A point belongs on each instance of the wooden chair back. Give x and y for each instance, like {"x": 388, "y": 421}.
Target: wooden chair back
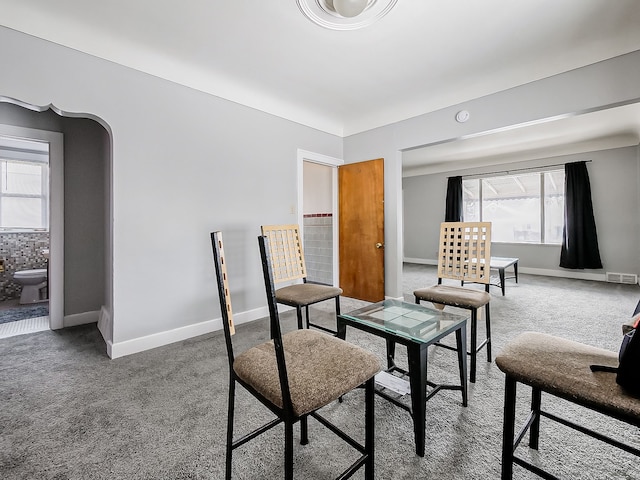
{"x": 465, "y": 251}
{"x": 223, "y": 292}
{"x": 286, "y": 252}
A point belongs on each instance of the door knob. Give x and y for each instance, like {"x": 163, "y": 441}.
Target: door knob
{"x": 379, "y": 245}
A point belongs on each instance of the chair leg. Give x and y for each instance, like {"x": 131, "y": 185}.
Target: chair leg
{"x": 299, "y": 315}
{"x": 488, "y": 323}
{"x": 508, "y": 427}
{"x": 306, "y": 316}
{"x": 337, "y": 311}
{"x": 369, "y": 442}
{"x": 534, "y": 431}
{"x": 232, "y": 393}
{"x": 288, "y": 450}
{"x": 304, "y": 430}
{"x": 474, "y": 342}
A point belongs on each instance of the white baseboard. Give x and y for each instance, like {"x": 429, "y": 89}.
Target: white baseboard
{"x": 80, "y": 319}
{"x": 128, "y": 347}
{"x": 421, "y": 261}
{"x": 577, "y": 274}
{"x": 104, "y": 324}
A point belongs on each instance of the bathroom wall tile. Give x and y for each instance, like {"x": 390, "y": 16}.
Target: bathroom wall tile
{"x": 20, "y": 251}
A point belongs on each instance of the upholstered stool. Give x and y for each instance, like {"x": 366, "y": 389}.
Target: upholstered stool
{"x": 561, "y": 368}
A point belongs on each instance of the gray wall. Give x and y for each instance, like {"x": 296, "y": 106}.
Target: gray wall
{"x": 184, "y": 163}
{"x": 592, "y": 87}
{"x": 613, "y": 176}
{"x": 85, "y": 197}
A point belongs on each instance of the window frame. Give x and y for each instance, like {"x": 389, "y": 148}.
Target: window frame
{"x": 514, "y": 173}
{"x": 43, "y": 196}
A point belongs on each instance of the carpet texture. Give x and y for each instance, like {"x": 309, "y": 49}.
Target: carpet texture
{"x": 23, "y": 312}
{"x": 69, "y": 412}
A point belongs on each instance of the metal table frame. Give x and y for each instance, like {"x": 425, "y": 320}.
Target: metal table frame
{"x": 417, "y": 372}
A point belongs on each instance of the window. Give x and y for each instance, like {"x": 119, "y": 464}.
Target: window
{"x": 523, "y": 208}
{"x": 24, "y": 193}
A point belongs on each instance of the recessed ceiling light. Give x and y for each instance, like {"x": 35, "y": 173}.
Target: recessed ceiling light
{"x": 345, "y": 14}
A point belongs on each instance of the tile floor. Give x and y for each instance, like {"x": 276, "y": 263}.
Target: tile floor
{"x": 21, "y": 327}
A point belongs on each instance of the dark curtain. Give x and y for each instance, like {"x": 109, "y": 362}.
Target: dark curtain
{"x": 579, "y": 237}
{"x": 453, "y": 210}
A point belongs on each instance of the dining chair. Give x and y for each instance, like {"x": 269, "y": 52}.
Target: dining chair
{"x": 294, "y": 375}
{"x": 464, "y": 254}
{"x": 289, "y": 269}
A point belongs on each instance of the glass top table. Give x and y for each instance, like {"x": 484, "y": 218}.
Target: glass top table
{"x": 416, "y": 327}
{"x": 409, "y": 320}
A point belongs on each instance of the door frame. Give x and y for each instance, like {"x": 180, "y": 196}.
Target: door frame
{"x": 334, "y": 163}
{"x": 56, "y": 214}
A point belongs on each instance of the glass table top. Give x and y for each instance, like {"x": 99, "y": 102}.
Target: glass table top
{"x": 410, "y": 320}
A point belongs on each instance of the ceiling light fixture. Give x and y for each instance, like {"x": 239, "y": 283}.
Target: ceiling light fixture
{"x": 348, "y": 8}
{"x": 345, "y": 14}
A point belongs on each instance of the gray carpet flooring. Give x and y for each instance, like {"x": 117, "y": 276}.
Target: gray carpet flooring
{"x": 69, "y": 412}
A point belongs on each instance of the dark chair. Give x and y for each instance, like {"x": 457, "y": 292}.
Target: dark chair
{"x": 464, "y": 255}
{"x": 561, "y": 368}
{"x": 288, "y": 265}
{"x": 294, "y": 374}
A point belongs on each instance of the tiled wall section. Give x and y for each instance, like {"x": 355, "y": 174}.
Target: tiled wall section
{"x": 20, "y": 251}
{"x": 318, "y": 247}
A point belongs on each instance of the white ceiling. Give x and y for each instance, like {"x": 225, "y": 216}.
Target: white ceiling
{"x": 425, "y": 55}
{"x": 588, "y": 132}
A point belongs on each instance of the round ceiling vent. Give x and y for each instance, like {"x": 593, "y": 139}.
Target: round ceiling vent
{"x": 345, "y": 14}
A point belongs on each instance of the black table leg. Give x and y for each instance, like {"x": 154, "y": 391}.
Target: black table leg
{"x": 461, "y": 343}
{"x": 417, "y": 354}
{"x": 501, "y": 272}
{"x": 391, "y": 353}
{"x": 515, "y": 271}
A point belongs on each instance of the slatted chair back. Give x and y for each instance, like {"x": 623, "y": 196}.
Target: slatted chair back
{"x": 223, "y": 291}
{"x": 286, "y": 252}
{"x": 465, "y": 251}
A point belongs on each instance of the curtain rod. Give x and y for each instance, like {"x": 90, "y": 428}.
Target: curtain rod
{"x": 521, "y": 169}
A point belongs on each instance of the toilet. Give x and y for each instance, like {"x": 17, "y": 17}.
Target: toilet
{"x": 32, "y": 281}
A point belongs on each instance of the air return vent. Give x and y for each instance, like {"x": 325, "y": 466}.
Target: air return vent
{"x": 629, "y": 278}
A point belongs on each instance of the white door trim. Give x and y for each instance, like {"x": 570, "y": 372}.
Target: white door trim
{"x": 56, "y": 214}
{"x": 306, "y": 156}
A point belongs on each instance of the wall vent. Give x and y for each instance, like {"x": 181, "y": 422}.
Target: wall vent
{"x": 628, "y": 278}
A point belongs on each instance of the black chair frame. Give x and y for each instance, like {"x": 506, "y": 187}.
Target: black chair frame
{"x": 301, "y": 264}
{"x": 532, "y": 425}
{"x": 474, "y": 348}
{"x": 285, "y": 414}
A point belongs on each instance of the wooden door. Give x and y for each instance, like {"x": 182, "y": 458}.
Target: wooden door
{"x": 361, "y": 229}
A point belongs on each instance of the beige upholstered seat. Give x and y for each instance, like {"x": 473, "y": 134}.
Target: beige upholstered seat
{"x": 294, "y": 374}
{"x": 464, "y": 255}
{"x": 561, "y": 368}
{"x": 288, "y": 265}
{"x": 454, "y": 296}
{"x": 320, "y": 369}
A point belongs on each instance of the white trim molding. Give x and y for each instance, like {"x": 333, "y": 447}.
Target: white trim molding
{"x": 136, "y": 345}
